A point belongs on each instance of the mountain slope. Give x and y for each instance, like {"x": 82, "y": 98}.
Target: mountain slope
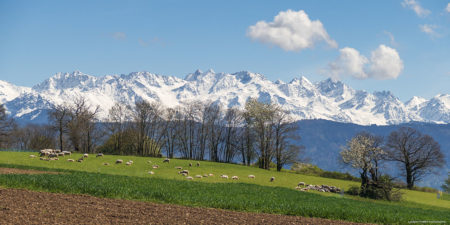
{"x": 328, "y": 99}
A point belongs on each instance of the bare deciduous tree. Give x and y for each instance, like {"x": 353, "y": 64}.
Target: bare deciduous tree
{"x": 416, "y": 153}
{"x": 59, "y": 120}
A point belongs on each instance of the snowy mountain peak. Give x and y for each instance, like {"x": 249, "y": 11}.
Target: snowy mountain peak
{"x": 328, "y": 99}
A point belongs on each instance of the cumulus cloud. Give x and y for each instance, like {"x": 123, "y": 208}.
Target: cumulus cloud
{"x": 119, "y": 35}
{"x": 448, "y": 8}
{"x": 350, "y": 62}
{"x": 416, "y": 7}
{"x": 385, "y": 63}
{"x": 291, "y": 31}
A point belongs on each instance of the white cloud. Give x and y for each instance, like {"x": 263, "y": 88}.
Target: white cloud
{"x": 385, "y": 63}
{"x": 391, "y": 38}
{"x": 291, "y": 31}
{"x": 349, "y": 62}
{"x": 448, "y": 8}
{"x": 119, "y": 35}
{"x": 429, "y": 29}
{"x": 416, "y": 7}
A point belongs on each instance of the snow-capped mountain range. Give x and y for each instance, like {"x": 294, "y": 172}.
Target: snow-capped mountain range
{"x": 328, "y": 99}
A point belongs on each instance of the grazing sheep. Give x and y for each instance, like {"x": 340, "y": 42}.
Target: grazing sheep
{"x": 99, "y": 155}
{"x": 155, "y": 166}
{"x": 119, "y": 161}
{"x": 211, "y": 174}
{"x": 33, "y": 156}
{"x": 198, "y": 176}
{"x": 67, "y": 153}
{"x": 301, "y": 184}
{"x": 251, "y": 176}
{"x": 235, "y": 177}
{"x": 167, "y": 160}
{"x": 57, "y": 151}
{"x": 128, "y": 163}
{"x": 60, "y": 154}
{"x": 151, "y": 172}
{"x": 205, "y": 175}
{"x": 184, "y": 172}
{"x": 298, "y": 188}
{"x": 52, "y": 155}
{"x": 272, "y": 179}
{"x": 190, "y": 164}
{"x": 198, "y": 163}
{"x": 80, "y": 160}
{"x": 70, "y": 160}
{"x": 106, "y": 164}
{"x": 189, "y": 178}
{"x": 179, "y": 168}
{"x": 85, "y": 155}
{"x": 224, "y": 176}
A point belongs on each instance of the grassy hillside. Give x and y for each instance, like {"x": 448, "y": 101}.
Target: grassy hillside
{"x": 259, "y": 195}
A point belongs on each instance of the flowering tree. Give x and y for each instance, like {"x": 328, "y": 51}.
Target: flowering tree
{"x": 363, "y": 152}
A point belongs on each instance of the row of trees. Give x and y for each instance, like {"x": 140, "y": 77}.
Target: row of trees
{"x": 416, "y": 155}
{"x": 262, "y": 132}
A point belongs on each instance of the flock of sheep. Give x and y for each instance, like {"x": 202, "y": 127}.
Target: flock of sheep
{"x": 53, "y": 154}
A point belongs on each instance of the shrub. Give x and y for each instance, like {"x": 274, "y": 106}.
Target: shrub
{"x": 353, "y": 190}
{"x": 383, "y": 188}
{"x": 310, "y": 169}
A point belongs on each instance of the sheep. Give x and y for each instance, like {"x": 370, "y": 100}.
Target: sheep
{"x": 235, "y": 177}
{"x": 205, "y": 175}
{"x": 85, "y": 155}
{"x": 272, "y": 179}
{"x": 155, "y": 166}
{"x": 189, "y": 178}
{"x": 211, "y": 174}
{"x": 198, "y": 176}
{"x": 251, "y": 176}
{"x": 184, "y": 172}
{"x": 32, "y": 156}
{"x": 298, "y": 188}
{"x": 70, "y": 160}
{"x": 57, "y": 151}
{"x": 151, "y": 172}
{"x": 167, "y": 160}
{"x": 80, "y": 160}
{"x": 190, "y": 164}
{"x": 60, "y": 154}
{"x": 301, "y": 184}
{"x": 224, "y": 176}
{"x": 128, "y": 163}
{"x": 119, "y": 161}
{"x": 179, "y": 168}
{"x": 67, "y": 153}
{"x": 54, "y": 159}
{"x": 198, "y": 163}
{"x": 52, "y": 155}
{"x": 106, "y": 164}
{"x": 99, "y": 155}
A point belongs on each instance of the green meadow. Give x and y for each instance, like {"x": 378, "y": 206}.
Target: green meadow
{"x": 254, "y": 195}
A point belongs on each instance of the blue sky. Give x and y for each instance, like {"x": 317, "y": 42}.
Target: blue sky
{"x": 41, "y": 38}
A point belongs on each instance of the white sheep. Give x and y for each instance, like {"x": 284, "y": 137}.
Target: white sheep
{"x": 205, "y": 175}
{"x": 70, "y": 160}
{"x": 155, "y": 166}
{"x": 189, "y": 178}
{"x": 301, "y": 184}
{"x": 151, "y": 172}
{"x": 198, "y": 176}
{"x": 184, "y": 172}
{"x": 198, "y": 163}
{"x": 211, "y": 174}
{"x": 272, "y": 179}
{"x": 251, "y": 176}
{"x": 235, "y": 177}
{"x": 167, "y": 160}
{"x": 179, "y": 168}
{"x": 85, "y": 155}
{"x": 128, "y": 163}
{"x": 60, "y": 154}
{"x": 67, "y": 153}
{"x": 99, "y": 155}
{"x": 224, "y": 176}
{"x": 119, "y": 161}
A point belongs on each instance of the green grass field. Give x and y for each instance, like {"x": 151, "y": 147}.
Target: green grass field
{"x": 257, "y": 195}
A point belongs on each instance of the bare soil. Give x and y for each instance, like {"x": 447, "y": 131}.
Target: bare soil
{"x": 19, "y": 206}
